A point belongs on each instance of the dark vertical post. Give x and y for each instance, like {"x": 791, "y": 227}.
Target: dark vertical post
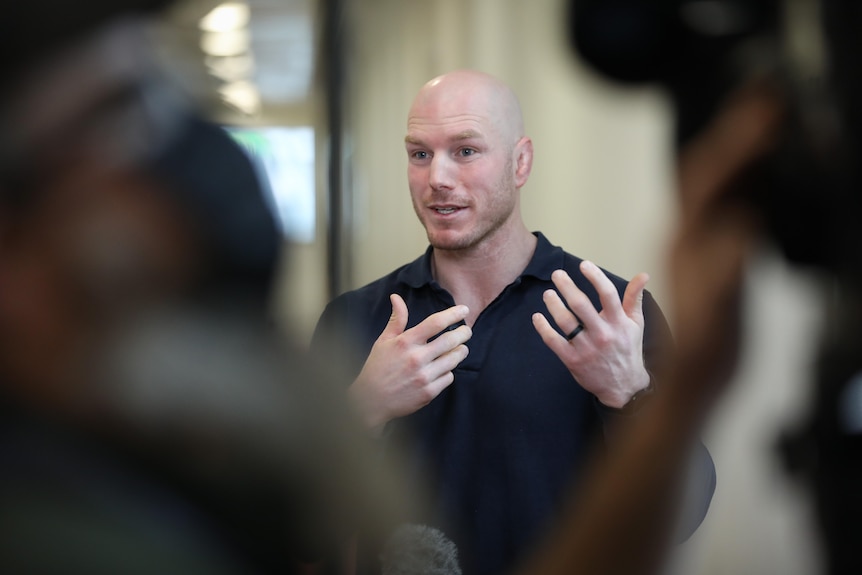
{"x": 335, "y": 37}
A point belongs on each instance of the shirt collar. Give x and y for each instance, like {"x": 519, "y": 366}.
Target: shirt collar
{"x": 418, "y": 272}
{"x": 545, "y": 260}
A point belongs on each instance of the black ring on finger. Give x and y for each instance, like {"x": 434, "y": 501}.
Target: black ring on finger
{"x": 575, "y": 332}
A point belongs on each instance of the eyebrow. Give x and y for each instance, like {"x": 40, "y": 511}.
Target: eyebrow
{"x": 465, "y": 135}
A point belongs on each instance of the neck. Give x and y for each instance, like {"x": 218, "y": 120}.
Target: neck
{"x": 476, "y": 276}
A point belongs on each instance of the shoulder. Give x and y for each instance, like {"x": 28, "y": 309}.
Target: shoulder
{"x": 572, "y": 263}
{"x": 572, "y": 266}
{"x": 373, "y": 291}
{"x": 366, "y": 308}
{"x": 358, "y": 315}
{"x": 549, "y": 257}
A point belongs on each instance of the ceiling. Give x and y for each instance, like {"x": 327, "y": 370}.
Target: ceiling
{"x": 270, "y": 66}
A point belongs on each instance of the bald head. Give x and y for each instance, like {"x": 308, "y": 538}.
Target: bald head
{"x": 468, "y": 158}
{"x": 472, "y": 93}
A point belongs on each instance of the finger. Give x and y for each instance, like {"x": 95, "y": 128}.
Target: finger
{"x": 565, "y": 319}
{"x": 437, "y": 322}
{"x": 441, "y": 373}
{"x": 398, "y": 319}
{"x": 437, "y": 386}
{"x": 549, "y": 335}
{"x": 577, "y": 300}
{"x": 633, "y": 297}
{"x": 447, "y": 362}
{"x": 446, "y": 342}
{"x": 608, "y": 294}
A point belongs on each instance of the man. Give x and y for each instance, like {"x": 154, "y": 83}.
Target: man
{"x": 500, "y": 433}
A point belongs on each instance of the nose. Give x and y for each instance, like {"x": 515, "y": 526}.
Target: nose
{"x": 440, "y": 173}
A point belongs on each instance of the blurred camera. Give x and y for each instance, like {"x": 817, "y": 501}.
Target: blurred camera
{"x": 807, "y": 189}
{"x": 700, "y": 51}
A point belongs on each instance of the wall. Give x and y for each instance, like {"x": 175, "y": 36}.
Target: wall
{"x": 599, "y": 185}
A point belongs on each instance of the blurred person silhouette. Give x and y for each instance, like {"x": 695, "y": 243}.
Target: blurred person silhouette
{"x": 622, "y": 517}
{"x": 768, "y": 151}
{"x": 499, "y": 433}
{"x": 150, "y": 419}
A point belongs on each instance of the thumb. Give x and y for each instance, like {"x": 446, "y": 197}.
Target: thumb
{"x": 398, "y": 319}
{"x": 633, "y": 297}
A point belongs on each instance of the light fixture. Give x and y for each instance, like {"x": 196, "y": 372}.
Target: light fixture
{"x": 242, "y": 95}
{"x": 231, "y": 68}
{"x": 225, "y": 17}
{"x": 227, "y": 43}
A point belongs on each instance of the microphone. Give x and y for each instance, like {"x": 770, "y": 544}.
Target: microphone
{"x": 419, "y": 550}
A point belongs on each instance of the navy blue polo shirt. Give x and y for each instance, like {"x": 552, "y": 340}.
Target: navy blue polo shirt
{"x": 503, "y": 444}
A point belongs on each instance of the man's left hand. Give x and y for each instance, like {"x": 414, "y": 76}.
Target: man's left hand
{"x": 606, "y": 355}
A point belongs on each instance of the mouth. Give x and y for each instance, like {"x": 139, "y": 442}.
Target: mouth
{"x": 445, "y": 210}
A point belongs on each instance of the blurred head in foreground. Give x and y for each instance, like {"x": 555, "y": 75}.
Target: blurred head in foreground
{"x": 114, "y": 197}
{"x": 150, "y": 420}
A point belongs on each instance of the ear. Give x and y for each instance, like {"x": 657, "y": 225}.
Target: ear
{"x": 523, "y": 153}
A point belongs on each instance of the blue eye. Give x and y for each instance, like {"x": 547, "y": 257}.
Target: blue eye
{"x": 420, "y": 155}
{"x": 466, "y": 151}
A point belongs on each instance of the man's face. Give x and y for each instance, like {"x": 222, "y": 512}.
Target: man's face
{"x": 461, "y": 169}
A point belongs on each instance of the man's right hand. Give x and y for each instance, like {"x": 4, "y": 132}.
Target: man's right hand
{"x": 404, "y": 371}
